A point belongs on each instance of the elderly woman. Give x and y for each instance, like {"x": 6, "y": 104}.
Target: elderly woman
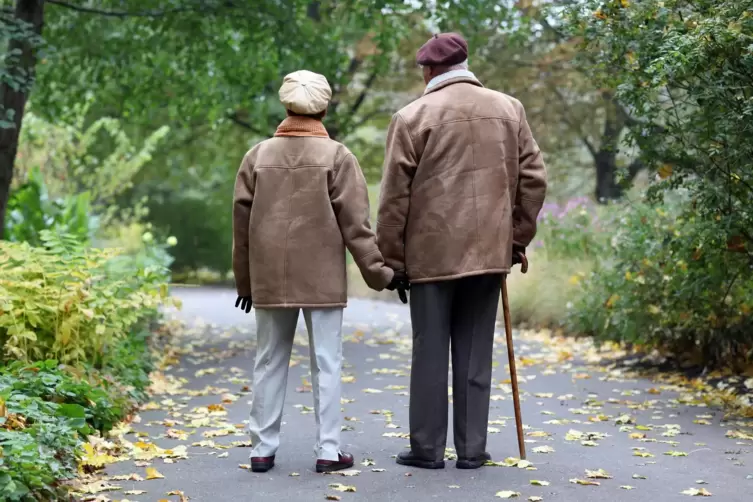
{"x": 300, "y": 199}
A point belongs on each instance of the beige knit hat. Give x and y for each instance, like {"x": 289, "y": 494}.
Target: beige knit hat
{"x": 305, "y": 92}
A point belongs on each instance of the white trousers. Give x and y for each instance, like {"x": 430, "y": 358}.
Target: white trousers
{"x": 275, "y": 332}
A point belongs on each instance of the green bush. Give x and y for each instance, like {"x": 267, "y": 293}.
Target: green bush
{"x": 70, "y": 303}
{"x": 671, "y": 281}
{"x": 31, "y": 210}
{"x": 47, "y": 410}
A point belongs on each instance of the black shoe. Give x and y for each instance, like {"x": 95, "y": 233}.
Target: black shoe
{"x": 473, "y": 463}
{"x": 411, "y": 460}
{"x": 262, "y": 464}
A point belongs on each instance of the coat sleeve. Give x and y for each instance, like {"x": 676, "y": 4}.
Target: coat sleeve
{"x": 531, "y": 185}
{"x": 350, "y": 201}
{"x": 243, "y": 198}
{"x": 400, "y": 164}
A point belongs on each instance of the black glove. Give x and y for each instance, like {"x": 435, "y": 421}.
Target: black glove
{"x": 518, "y": 254}
{"x": 400, "y": 283}
{"x": 244, "y": 302}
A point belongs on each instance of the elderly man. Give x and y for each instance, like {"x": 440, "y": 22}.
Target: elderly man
{"x": 463, "y": 184}
{"x": 300, "y": 199}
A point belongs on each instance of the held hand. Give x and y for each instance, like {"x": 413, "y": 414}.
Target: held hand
{"x": 244, "y": 302}
{"x": 400, "y": 283}
{"x": 519, "y": 257}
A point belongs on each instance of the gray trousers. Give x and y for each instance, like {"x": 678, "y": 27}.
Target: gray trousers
{"x": 275, "y": 333}
{"x": 459, "y": 315}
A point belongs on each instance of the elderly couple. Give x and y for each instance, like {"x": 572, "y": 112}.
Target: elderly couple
{"x": 463, "y": 183}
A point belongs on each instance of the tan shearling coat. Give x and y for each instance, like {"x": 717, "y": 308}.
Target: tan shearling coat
{"x": 300, "y": 199}
{"x": 463, "y": 181}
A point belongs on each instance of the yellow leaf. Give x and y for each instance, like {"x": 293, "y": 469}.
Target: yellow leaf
{"x": 536, "y": 482}
{"x": 152, "y": 473}
{"x": 180, "y": 494}
{"x": 507, "y": 494}
{"x": 695, "y": 492}
{"x": 664, "y": 171}
{"x": 342, "y": 488}
{"x": 612, "y": 299}
{"x": 584, "y": 482}
{"x": 598, "y": 474}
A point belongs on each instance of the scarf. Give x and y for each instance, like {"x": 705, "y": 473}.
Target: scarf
{"x": 301, "y": 126}
{"x": 447, "y": 76}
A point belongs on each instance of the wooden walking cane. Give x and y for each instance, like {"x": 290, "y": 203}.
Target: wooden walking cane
{"x": 511, "y": 357}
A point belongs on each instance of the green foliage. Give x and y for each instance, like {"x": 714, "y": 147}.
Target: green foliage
{"x": 47, "y": 409}
{"x": 670, "y": 281}
{"x": 70, "y": 303}
{"x": 31, "y": 211}
{"x": 80, "y": 156}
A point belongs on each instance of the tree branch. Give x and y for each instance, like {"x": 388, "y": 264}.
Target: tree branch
{"x": 112, "y": 13}
{"x": 565, "y": 118}
{"x": 235, "y": 118}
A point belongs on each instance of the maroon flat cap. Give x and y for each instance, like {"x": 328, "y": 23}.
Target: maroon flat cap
{"x": 444, "y": 49}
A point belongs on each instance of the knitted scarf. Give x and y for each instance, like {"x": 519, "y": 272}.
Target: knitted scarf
{"x": 301, "y": 126}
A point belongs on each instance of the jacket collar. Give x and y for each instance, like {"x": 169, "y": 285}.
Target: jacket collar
{"x": 451, "y": 77}
{"x": 301, "y": 126}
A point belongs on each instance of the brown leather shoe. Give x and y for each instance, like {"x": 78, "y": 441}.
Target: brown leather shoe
{"x": 344, "y": 461}
{"x": 262, "y": 464}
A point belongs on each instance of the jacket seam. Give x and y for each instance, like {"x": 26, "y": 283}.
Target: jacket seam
{"x": 410, "y": 135}
{"x": 459, "y": 276}
{"x": 282, "y": 166}
{"x": 466, "y": 120}
{"x": 366, "y": 255}
{"x": 389, "y": 225}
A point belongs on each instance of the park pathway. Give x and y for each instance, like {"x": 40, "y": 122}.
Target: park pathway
{"x": 651, "y": 440}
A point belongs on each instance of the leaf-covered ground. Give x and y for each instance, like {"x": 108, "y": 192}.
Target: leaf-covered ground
{"x": 594, "y": 432}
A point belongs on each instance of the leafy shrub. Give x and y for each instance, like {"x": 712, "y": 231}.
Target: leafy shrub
{"x": 31, "y": 210}
{"x": 47, "y": 410}
{"x": 671, "y": 281}
{"x": 66, "y": 302}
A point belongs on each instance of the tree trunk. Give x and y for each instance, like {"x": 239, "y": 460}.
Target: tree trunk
{"x": 14, "y": 100}
{"x": 607, "y": 188}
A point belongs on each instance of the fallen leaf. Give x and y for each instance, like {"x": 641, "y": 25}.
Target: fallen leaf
{"x": 701, "y": 482}
{"x": 584, "y": 482}
{"x": 293, "y": 474}
{"x": 543, "y": 449}
{"x": 134, "y": 492}
{"x": 533, "y": 498}
{"x": 453, "y": 486}
{"x": 244, "y": 466}
{"x": 643, "y": 454}
{"x": 97, "y": 487}
{"x": 639, "y": 476}
{"x": 332, "y": 497}
{"x": 342, "y": 488}
{"x": 223, "y": 455}
{"x": 676, "y": 453}
{"x": 347, "y": 473}
{"x": 695, "y": 492}
{"x": 368, "y": 462}
{"x": 598, "y": 474}
{"x": 126, "y": 477}
{"x": 180, "y": 494}
{"x": 627, "y": 487}
{"x": 378, "y": 470}
{"x": 507, "y": 494}
{"x": 536, "y": 482}
{"x": 152, "y": 473}
{"x": 372, "y": 391}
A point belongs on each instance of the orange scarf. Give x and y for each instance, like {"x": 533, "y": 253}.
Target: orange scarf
{"x": 301, "y": 126}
